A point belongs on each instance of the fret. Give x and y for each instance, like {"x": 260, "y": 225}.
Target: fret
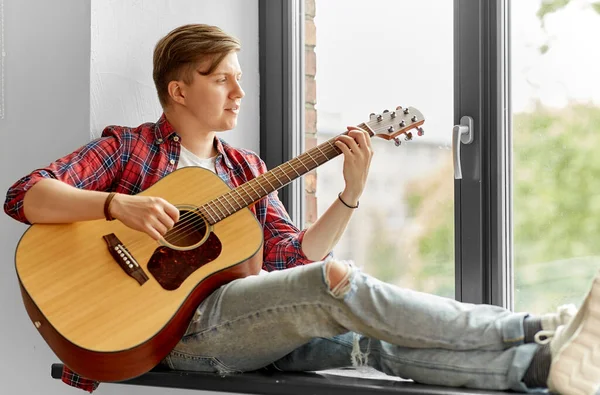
{"x": 243, "y": 187}
{"x": 299, "y": 159}
{"x": 257, "y": 194}
{"x": 209, "y": 206}
{"x": 280, "y": 167}
{"x": 332, "y": 145}
{"x": 223, "y": 205}
{"x": 322, "y": 153}
{"x": 293, "y": 168}
{"x": 272, "y": 186}
{"x": 218, "y": 208}
{"x": 235, "y": 199}
{"x": 257, "y": 180}
{"x": 310, "y": 156}
{"x": 277, "y": 178}
{"x": 243, "y": 200}
{"x": 205, "y": 213}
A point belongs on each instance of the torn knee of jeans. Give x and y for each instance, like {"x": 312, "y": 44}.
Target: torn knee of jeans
{"x": 359, "y": 358}
{"x": 338, "y": 278}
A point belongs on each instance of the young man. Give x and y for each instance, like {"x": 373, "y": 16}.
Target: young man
{"x": 315, "y": 314}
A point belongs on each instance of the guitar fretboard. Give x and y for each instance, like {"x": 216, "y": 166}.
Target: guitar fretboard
{"x": 259, "y": 187}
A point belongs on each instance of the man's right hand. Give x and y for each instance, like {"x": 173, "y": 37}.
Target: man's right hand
{"x": 151, "y": 215}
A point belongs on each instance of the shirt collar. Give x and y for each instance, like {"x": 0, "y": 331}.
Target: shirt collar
{"x": 164, "y": 130}
{"x": 222, "y": 151}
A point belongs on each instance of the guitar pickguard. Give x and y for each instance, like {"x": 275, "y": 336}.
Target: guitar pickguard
{"x": 171, "y": 267}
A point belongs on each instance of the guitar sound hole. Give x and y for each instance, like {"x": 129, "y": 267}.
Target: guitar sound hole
{"x": 188, "y": 231}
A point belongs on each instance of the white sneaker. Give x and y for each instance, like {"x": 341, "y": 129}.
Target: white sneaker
{"x": 575, "y": 349}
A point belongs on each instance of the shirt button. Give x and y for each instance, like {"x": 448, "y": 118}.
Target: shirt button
{"x": 172, "y": 161}
{"x": 159, "y": 141}
{"x": 175, "y": 139}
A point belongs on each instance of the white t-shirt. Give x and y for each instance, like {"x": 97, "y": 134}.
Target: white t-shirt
{"x": 187, "y": 158}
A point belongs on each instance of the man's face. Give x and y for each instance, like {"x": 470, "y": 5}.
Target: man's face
{"x": 215, "y": 99}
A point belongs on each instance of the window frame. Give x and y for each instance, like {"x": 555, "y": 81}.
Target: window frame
{"x": 281, "y": 65}
{"x": 483, "y": 198}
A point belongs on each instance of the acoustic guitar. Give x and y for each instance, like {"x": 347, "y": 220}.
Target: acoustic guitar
{"x": 112, "y": 303}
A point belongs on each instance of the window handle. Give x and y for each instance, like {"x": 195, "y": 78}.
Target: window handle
{"x": 462, "y": 133}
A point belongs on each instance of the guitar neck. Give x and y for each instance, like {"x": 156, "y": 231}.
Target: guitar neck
{"x": 276, "y": 178}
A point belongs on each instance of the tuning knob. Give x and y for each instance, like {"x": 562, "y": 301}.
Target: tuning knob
{"x": 420, "y": 131}
{"x": 409, "y": 136}
{"x": 397, "y": 142}
{"x": 406, "y": 110}
{"x": 384, "y": 111}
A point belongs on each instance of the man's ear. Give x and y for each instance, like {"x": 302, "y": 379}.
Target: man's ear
{"x": 177, "y": 92}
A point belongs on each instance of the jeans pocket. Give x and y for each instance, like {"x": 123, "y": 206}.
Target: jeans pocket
{"x": 178, "y": 360}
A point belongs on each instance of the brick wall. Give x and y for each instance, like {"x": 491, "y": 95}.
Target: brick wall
{"x": 310, "y": 179}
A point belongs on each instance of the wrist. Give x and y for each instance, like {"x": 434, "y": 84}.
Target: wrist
{"x": 349, "y": 197}
{"x": 352, "y": 204}
{"x": 109, "y": 206}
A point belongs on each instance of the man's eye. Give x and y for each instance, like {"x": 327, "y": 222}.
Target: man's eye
{"x": 222, "y": 80}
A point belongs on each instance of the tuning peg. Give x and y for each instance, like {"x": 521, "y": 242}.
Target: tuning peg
{"x": 406, "y": 110}
{"x": 397, "y": 142}
{"x": 409, "y": 136}
{"x": 393, "y": 115}
{"x": 384, "y": 111}
{"x": 414, "y": 118}
{"x": 372, "y": 115}
{"x": 379, "y": 118}
{"x": 403, "y": 123}
{"x": 420, "y": 131}
{"x": 391, "y": 129}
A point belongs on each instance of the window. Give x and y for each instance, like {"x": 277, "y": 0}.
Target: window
{"x": 393, "y": 54}
{"x": 556, "y": 134}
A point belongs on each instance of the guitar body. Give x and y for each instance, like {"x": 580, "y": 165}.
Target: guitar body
{"x": 102, "y": 322}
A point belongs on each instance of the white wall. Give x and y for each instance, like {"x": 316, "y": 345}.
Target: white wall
{"x": 48, "y": 114}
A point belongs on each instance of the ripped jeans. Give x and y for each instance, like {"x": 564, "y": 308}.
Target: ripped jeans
{"x": 291, "y": 320}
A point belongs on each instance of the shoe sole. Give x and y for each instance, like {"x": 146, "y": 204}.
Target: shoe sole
{"x": 576, "y": 368}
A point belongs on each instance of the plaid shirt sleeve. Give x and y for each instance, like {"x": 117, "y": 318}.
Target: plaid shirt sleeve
{"x": 73, "y": 379}
{"x": 283, "y": 240}
{"x": 93, "y": 166}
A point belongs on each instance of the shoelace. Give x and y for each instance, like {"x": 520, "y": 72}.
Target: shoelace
{"x": 544, "y": 337}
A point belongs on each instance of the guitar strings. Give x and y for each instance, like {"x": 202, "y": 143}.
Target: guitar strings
{"x": 191, "y": 220}
{"x": 183, "y": 229}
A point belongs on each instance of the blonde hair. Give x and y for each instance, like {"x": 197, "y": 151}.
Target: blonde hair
{"x": 177, "y": 54}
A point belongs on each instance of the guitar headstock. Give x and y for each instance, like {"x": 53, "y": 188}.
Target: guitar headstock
{"x": 389, "y": 125}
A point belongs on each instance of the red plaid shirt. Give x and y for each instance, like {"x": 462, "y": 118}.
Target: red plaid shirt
{"x": 130, "y": 160}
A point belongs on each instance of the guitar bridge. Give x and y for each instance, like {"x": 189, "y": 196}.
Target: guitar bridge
{"x": 124, "y": 258}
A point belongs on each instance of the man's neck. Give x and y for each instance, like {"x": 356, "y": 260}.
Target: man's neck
{"x": 196, "y": 140}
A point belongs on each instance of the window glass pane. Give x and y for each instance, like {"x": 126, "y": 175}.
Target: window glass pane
{"x": 376, "y": 55}
{"x": 556, "y": 135}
